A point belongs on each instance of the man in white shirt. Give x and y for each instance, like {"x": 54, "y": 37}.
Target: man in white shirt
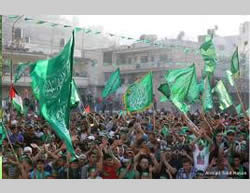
{"x": 201, "y": 151}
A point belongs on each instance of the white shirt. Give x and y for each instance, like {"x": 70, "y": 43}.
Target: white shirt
{"x": 201, "y": 158}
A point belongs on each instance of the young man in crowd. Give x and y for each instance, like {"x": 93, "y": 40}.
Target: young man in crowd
{"x": 129, "y": 147}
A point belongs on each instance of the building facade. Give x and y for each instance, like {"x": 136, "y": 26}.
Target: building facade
{"x": 92, "y": 67}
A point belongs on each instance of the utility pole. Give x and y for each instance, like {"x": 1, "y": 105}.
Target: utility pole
{"x": 11, "y": 63}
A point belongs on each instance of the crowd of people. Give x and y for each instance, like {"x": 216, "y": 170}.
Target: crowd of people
{"x": 148, "y": 145}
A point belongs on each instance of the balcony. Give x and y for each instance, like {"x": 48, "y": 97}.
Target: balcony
{"x": 150, "y": 66}
{"x": 81, "y": 82}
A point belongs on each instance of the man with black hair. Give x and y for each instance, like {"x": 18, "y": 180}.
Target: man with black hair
{"x": 110, "y": 166}
{"x": 187, "y": 171}
{"x": 239, "y": 171}
{"x": 38, "y": 171}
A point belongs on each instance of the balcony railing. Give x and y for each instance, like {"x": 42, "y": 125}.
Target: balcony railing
{"x": 26, "y": 81}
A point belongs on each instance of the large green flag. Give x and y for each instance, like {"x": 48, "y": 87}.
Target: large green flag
{"x": 208, "y": 54}
{"x": 183, "y": 87}
{"x": 75, "y": 98}
{"x": 113, "y": 84}
{"x": 164, "y": 89}
{"x": 207, "y": 99}
{"x": 21, "y": 68}
{"x": 235, "y": 64}
{"x": 51, "y": 85}
{"x": 224, "y": 98}
{"x": 139, "y": 95}
{"x": 2, "y": 133}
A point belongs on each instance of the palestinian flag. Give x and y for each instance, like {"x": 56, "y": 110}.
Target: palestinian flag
{"x": 87, "y": 109}
{"x": 16, "y": 100}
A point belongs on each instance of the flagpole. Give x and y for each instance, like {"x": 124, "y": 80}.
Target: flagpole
{"x": 11, "y": 146}
{"x": 205, "y": 119}
{"x": 242, "y": 105}
{"x": 11, "y": 65}
{"x": 68, "y": 167}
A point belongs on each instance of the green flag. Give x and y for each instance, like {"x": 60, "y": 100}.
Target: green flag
{"x": 75, "y": 98}
{"x": 163, "y": 99}
{"x": 235, "y": 64}
{"x": 238, "y": 109}
{"x": 207, "y": 99}
{"x": 165, "y": 131}
{"x": 21, "y": 68}
{"x": 183, "y": 87}
{"x": 224, "y": 98}
{"x": 139, "y": 95}
{"x": 2, "y": 133}
{"x": 230, "y": 77}
{"x": 16, "y": 100}
{"x": 51, "y": 85}
{"x": 208, "y": 54}
{"x": 113, "y": 84}
{"x": 164, "y": 89}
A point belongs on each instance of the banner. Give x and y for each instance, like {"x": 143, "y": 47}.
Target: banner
{"x": 139, "y": 95}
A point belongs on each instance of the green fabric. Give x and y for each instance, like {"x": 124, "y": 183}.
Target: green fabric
{"x": 163, "y": 99}
{"x": 2, "y": 133}
{"x": 165, "y": 131}
{"x": 54, "y": 24}
{"x": 113, "y": 84}
{"x": 47, "y": 138}
{"x": 77, "y": 29}
{"x": 75, "y": 98}
{"x": 208, "y": 54}
{"x": 183, "y": 131}
{"x": 13, "y": 16}
{"x": 131, "y": 174}
{"x": 41, "y": 22}
{"x": 183, "y": 87}
{"x": 164, "y": 89}
{"x": 224, "y": 98}
{"x": 28, "y": 19}
{"x": 18, "y": 106}
{"x": 230, "y": 77}
{"x": 139, "y": 95}
{"x": 17, "y": 101}
{"x": 21, "y": 68}
{"x": 207, "y": 98}
{"x": 238, "y": 109}
{"x": 51, "y": 85}
{"x": 235, "y": 64}
{"x": 201, "y": 85}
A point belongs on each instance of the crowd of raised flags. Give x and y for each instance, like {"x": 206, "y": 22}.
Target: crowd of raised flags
{"x": 56, "y": 91}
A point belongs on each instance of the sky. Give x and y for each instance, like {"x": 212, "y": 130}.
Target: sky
{"x": 164, "y": 25}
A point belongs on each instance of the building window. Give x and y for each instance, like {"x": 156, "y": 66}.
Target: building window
{"x": 62, "y": 42}
{"x": 18, "y": 33}
{"x": 122, "y": 81}
{"x": 106, "y": 76}
{"x": 163, "y": 58}
{"x": 152, "y": 58}
{"x": 144, "y": 59}
{"x": 27, "y": 39}
{"x": 135, "y": 59}
{"x": 129, "y": 60}
{"x": 107, "y": 57}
